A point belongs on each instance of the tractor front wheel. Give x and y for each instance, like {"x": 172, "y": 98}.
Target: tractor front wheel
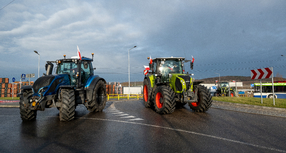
{"x": 26, "y": 114}
{"x": 147, "y": 93}
{"x": 98, "y": 99}
{"x": 67, "y": 111}
{"x": 164, "y": 100}
{"x": 204, "y": 100}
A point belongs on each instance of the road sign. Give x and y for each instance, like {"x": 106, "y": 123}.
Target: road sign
{"x": 13, "y": 79}
{"x": 263, "y": 73}
{"x": 23, "y": 76}
{"x": 30, "y": 75}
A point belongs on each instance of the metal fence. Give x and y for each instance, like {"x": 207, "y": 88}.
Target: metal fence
{"x": 124, "y": 96}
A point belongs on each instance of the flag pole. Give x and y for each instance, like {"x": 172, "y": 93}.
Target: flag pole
{"x": 273, "y": 87}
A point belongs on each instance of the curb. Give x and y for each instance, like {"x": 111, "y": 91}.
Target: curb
{"x": 253, "y": 109}
{"x": 251, "y": 106}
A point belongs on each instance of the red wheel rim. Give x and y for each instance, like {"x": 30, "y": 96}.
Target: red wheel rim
{"x": 145, "y": 93}
{"x": 159, "y": 97}
{"x": 196, "y": 104}
{"x": 231, "y": 94}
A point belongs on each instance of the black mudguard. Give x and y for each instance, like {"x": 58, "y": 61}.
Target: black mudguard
{"x": 90, "y": 88}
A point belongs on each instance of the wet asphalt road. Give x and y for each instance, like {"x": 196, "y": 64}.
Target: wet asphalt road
{"x": 127, "y": 126}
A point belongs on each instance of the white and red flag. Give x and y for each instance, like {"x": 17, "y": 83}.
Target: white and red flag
{"x": 146, "y": 70}
{"x": 151, "y": 61}
{"x": 193, "y": 59}
{"x": 78, "y": 53}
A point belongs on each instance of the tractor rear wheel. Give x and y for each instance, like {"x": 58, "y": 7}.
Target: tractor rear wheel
{"x": 204, "y": 100}
{"x": 98, "y": 99}
{"x": 147, "y": 93}
{"x": 232, "y": 94}
{"x": 164, "y": 100}
{"x": 67, "y": 111}
{"x": 26, "y": 114}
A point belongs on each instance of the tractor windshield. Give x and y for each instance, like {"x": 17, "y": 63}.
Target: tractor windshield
{"x": 224, "y": 84}
{"x": 170, "y": 66}
{"x": 66, "y": 68}
{"x": 71, "y": 69}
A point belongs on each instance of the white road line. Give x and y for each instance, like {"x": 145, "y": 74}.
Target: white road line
{"x": 128, "y": 117}
{"x": 118, "y": 113}
{"x": 190, "y": 132}
{"x": 122, "y": 115}
{"x": 136, "y": 119}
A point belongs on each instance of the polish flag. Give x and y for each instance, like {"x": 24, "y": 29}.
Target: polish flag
{"x": 151, "y": 61}
{"x": 193, "y": 59}
{"x": 147, "y": 67}
{"x": 146, "y": 70}
{"x": 78, "y": 53}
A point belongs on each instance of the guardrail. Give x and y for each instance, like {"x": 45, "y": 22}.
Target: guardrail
{"x": 124, "y": 96}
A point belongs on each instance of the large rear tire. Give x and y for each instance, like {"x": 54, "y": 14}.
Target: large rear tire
{"x": 26, "y": 114}
{"x": 164, "y": 100}
{"x": 67, "y": 111}
{"x": 147, "y": 91}
{"x": 204, "y": 100}
{"x": 98, "y": 99}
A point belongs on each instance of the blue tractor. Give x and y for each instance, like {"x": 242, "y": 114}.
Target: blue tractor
{"x": 74, "y": 83}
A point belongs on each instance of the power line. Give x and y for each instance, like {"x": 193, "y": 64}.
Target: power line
{"x": 7, "y": 5}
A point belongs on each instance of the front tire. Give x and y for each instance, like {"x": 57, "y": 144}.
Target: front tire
{"x": 67, "y": 111}
{"x": 164, "y": 100}
{"x": 26, "y": 114}
{"x": 204, "y": 100}
{"x": 98, "y": 99}
{"x": 147, "y": 90}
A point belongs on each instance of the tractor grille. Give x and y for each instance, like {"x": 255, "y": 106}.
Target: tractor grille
{"x": 187, "y": 80}
{"x": 178, "y": 85}
{"x": 42, "y": 82}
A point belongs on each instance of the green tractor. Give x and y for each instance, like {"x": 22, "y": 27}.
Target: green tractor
{"x": 166, "y": 87}
{"x": 225, "y": 89}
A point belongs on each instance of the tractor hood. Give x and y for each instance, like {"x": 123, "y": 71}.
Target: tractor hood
{"x": 180, "y": 82}
{"x": 48, "y": 85}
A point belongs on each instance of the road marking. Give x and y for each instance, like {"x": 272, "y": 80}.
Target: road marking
{"x": 128, "y": 117}
{"x": 190, "y": 132}
{"x": 136, "y": 119}
{"x": 122, "y": 115}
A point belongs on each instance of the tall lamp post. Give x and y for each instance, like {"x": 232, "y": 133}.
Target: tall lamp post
{"x": 38, "y": 63}
{"x": 129, "y": 68}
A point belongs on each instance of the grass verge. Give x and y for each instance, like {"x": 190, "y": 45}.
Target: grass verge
{"x": 9, "y": 98}
{"x": 279, "y": 103}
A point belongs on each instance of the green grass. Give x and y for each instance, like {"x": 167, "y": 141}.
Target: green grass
{"x": 279, "y": 103}
{"x": 9, "y": 98}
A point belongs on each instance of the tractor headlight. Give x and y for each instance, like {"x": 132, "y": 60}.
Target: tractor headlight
{"x": 170, "y": 75}
{"x": 183, "y": 82}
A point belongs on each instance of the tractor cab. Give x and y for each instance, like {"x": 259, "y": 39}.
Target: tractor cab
{"x": 224, "y": 84}
{"x": 78, "y": 70}
{"x": 165, "y": 66}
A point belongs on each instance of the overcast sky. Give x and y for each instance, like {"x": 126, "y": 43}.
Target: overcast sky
{"x": 226, "y": 37}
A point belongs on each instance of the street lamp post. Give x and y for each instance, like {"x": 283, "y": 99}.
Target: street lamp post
{"x": 38, "y": 63}
{"x": 129, "y": 68}
{"x": 218, "y": 77}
